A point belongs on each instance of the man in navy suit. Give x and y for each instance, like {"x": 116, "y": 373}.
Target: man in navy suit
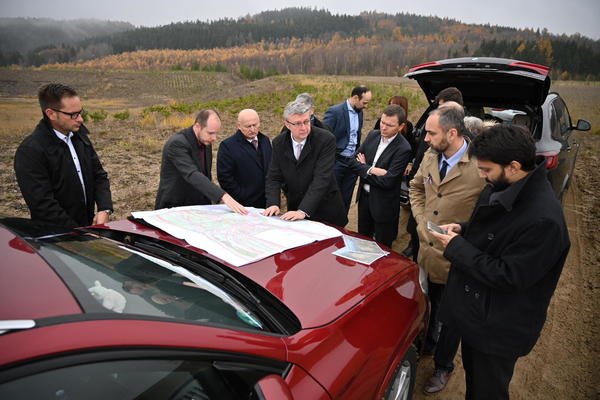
{"x": 243, "y": 161}
{"x": 345, "y": 121}
{"x": 302, "y": 167}
{"x": 380, "y": 163}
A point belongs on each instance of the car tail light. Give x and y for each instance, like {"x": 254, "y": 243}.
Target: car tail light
{"x": 424, "y": 65}
{"x": 551, "y": 161}
{"x": 540, "y": 69}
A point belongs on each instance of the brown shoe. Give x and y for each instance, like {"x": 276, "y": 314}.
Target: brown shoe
{"x": 437, "y": 382}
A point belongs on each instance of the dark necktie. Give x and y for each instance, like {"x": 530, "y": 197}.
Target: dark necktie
{"x": 255, "y": 144}
{"x": 443, "y": 170}
{"x": 202, "y": 157}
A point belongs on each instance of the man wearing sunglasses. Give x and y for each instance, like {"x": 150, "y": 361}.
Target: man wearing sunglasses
{"x": 58, "y": 170}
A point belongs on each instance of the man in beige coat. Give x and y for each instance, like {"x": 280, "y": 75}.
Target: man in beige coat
{"x": 444, "y": 189}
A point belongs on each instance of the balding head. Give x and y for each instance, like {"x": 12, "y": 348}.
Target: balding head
{"x": 452, "y": 104}
{"x": 248, "y": 123}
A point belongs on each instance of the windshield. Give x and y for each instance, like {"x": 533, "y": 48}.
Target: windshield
{"x": 125, "y": 280}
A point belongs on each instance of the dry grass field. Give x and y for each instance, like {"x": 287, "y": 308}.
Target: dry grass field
{"x": 562, "y": 365}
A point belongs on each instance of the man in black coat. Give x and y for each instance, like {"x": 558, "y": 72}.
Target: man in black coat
{"x": 302, "y": 167}
{"x": 381, "y": 161}
{"x": 185, "y": 170}
{"x": 58, "y": 171}
{"x": 506, "y": 261}
{"x": 243, "y": 161}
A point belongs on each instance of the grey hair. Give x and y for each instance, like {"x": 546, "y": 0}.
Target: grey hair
{"x": 451, "y": 117}
{"x": 473, "y": 124}
{"x": 296, "y": 107}
{"x": 307, "y": 98}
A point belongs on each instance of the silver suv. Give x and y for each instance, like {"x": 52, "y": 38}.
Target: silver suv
{"x": 509, "y": 91}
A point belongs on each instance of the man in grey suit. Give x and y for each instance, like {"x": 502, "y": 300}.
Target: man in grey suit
{"x": 302, "y": 167}
{"x": 185, "y": 171}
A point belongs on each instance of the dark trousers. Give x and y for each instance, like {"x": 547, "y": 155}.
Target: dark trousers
{"x": 384, "y": 233}
{"x": 411, "y": 228}
{"x": 346, "y": 179}
{"x": 487, "y": 376}
{"x": 444, "y": 340}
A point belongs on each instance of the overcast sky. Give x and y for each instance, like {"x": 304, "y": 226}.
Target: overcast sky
{"x": 558, "y": 16}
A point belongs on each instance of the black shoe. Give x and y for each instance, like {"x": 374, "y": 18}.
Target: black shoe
{"x": 408, "y": 251}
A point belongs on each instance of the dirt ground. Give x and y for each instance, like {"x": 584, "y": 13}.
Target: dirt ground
{"x": 563, "y": 363}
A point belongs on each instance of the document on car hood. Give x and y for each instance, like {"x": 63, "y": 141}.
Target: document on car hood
{"x": 234, "y": 238}
{"x": 360, "y": 250}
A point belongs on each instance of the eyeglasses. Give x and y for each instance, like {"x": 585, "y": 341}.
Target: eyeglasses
{"x": 297, "y": 124}
{"x": 73, "y": 115}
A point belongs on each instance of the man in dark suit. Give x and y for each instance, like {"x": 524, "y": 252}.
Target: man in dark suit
{"x": 243, "y": 161}
{"x": 381, "y": 161}
{"x": 345, "y": 121}
{"x": 302, "y": 167}
{"x": 58, "y": 171}
{"x": 185, "y": 171}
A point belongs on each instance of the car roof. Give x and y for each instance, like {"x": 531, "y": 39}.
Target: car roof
{"x": 314, "y": 284}
{"x": 490, "y": 81}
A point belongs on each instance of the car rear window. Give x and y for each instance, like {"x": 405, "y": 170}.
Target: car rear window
{"x": 109, "y": 276}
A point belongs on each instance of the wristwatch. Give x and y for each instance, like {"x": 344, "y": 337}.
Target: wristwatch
{"x": 107, "y": 211}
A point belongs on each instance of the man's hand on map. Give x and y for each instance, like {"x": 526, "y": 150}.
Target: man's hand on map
{"x": 293, "y": 215}
{"x": 234, "y": 205}
{"x": 272, "y": 210}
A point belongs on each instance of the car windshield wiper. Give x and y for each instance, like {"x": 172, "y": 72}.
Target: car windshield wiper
{"x": 215, "y": 272}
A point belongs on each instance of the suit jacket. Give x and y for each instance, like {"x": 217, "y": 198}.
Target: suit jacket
{"x": 308, "y": 183}
{"x": 241, "y": 170}
{"x": 182, "y": 182}
{"x": 50, "y": 184}
{"x": 443, "y": 202}
{"x": 505, "y": 267}
{"x": 384, "y": 191}
{"x": 337, "y": 119}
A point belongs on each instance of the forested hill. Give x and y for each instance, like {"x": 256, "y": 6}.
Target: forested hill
{"x": 304, "y": 40}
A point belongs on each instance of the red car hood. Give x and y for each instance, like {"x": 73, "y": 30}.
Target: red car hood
{"x": 314, "y": 284}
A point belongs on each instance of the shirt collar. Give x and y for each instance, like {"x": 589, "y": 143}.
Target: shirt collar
{"x": 295, "y": 142}
{"x": 452, "y": 161}
{"x": 385, "y": 140}
{"x": 62, "y": 136}
{"x": 350, "y": 108}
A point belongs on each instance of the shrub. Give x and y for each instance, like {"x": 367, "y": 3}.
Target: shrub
{"x": 98, "y": 116}
{"x": 121, "y": 116}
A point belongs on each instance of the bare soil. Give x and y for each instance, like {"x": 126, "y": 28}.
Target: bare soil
{"x": 563, "y": 363}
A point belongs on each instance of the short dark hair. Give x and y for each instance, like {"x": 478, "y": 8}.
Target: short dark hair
{"x": 502, "y": 144}
{"x": 359, "y": 91}
{"x": 203, "y": 116}
{"x": 51, "y": 95}
{"x": 451, "y": 117}
{"x": 397, "y": 111}
{"x": 450, "y": 94}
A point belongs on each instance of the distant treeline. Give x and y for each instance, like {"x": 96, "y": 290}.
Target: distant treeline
{"x": 304, "y": 40}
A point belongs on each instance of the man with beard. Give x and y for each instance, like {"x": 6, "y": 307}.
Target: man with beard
{"x": 443, "y": 190}
{"x": 506, "y": 261}
{"x": 58, "y": 171}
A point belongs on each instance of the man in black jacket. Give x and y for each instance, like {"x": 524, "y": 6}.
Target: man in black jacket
{"x": 58, "y": 171}
{"x": 185, "y": 170}
{"x": 506, "y": 261}
{"x": 302, "y": 167}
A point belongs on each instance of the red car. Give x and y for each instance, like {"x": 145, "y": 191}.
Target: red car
{"x": 126, "y": 311}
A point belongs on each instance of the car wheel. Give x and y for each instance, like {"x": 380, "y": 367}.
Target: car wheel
{"x": 402, "y": 384}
